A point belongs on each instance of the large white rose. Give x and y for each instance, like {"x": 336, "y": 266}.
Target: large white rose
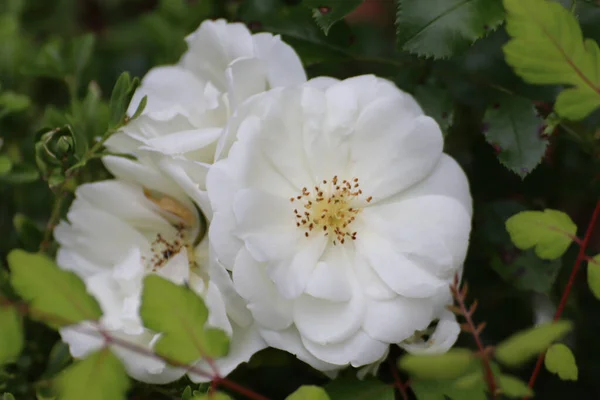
{"x": 342, "y": 221}
{"x": 117, "y": 232}
{"x": 189, "y": 103}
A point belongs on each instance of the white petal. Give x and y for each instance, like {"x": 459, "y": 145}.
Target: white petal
{"x": 244, "y": 343}
{"x": 283, "y": 65}
{"x": 398, "y": 272}
{"x": 269, "y": 309}
{"x": 443, "y": 338}
{"x": 431, "y": 230}
{"x": 186, "y": 141}
{"x": 176, "y": 269}
{"x": 234, "y": 303}
{"x": 221, "y": 236}
{"x": 291, "y": 275}
{"x": 70, "y": 260}
{"x": 82, "y": 339}
{"x": 358, "y": 350}
{"x": 327, "y": 322}
{"x": 371, "y": 284}
{"x": 329, "y": 280}
{"x": 392, "y": 321}
{"x": 245, "y": 78}
{"x": 217, "y": 317}
{"x": 322, "y": 82}
{"x": 289, "y": 340}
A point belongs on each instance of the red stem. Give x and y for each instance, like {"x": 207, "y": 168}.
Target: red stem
{"x": 581, "y": 256}
{"x": 398, "y": 381}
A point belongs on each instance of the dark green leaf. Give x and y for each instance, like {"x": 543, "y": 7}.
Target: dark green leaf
{"x": 528, "y": 272}
{"x": 100, "y": 376}
{"x": 180, "y": 314}
{"x": 328, "y": 12}
{"x": 21, "y": 174}
{"x": 120, "y": 98}
{"x": 513, "y": 128}
{"x": 442, "y": 28}
{"x": 49, "y": 61}
{"x": 81, "y": 52}
{"x": 56, "y": 297}
{"x": 29, "y": 233}
{"x": 436, "y": 103}
{"x": 140, "y": 108}
{"x": 522, "y": 346}
{"x": 354, "y": 389}
{"x": 11, "y": 334}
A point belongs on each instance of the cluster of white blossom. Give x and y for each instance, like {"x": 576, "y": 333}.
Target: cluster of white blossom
{"x": 319, "y": 217}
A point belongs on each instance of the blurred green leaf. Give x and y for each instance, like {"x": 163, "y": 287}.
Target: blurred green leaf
{"x": 309, "y": 393}
{"x": 443, "y": 28}
{"x": 211, "y": 396}
{"x": 120, "y": 98}
{"x": 524, "y": 345}
{"x": 55, "y": 297}
{"x": 187, "y": 393}
{"x": 451, "y": 389}
{"x": 593, "y": 275}
{"x": 512, "y": 126}
{"x": 449, "y": 365}
{"x": 11, "y": 334}
{"x": 328, "y": 12}
{"x": 29, "y": 233}
{"x": 180, "y": 314}
{"x": 82, "y": 48}
{"x": 561, "y": 361}
{"x": 548, "y": 47}
{"x": 355, "y": 389}
{"x": 527, "y": 271}
{"x": 437, "y": 103}
{"x": 11, "y": 102}
{"x": 8, "y": 396}
{"x": 550, "y": 231}
{"x": 20, "y": 174}
{"x": 49, "y": 61}
{"x": 100, "y": 376}
{"x": 58, "y": 359}
{"x": 513, "y": 387}
{"x": 5, "y": 165}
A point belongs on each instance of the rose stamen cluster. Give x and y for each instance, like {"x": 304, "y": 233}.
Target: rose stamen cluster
{"x": 330, "y": 208}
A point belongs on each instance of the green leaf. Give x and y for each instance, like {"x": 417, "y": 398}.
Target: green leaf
{"x": 561, "y": 361}
{"x": 328, "y": 12}
{"x": 180, "y": 314}
{"x": 29, "y": 233}
{"x": 212, "y": 396}
{"x": 49, "y": 61}
{"x": 8, "y": 396}
{"x": 355, "y": 389}
{"x": 593, "y": 275}
{"x": 57, "y": 298}
{"x": 436, "y": 103}
{"x": 522, "y": 346}
{"x": 81, "y": 53}
{"x": 512, "y": 126}
{"x": 548, "y": 47}
{"x": 443, "y": 28}
{"x": 11, "y": 335}
{"x": 11, "y": 102}
{"x": 513, "y": 387}
{"x": 5, "y": 165}
{"x": 309, "y": 393}
{"x": 140, "y": 108}
{"x": 100, "y": 376}
{"x": 120, "y": 98}
{"x": 528, "y": 272}
{"x": 58, "y": 359}
{"x": 449, "y": 365}
{"x": 550, "y": 231}
{"x": 451, "y": 389}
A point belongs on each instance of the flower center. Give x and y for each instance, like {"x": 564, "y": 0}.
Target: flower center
{"x": 330, "y": 209}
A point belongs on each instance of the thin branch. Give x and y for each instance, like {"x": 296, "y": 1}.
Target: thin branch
{"x": 398, "y": 384}
{"x": 581, "y": 256}
{"x": 475, "y": 330}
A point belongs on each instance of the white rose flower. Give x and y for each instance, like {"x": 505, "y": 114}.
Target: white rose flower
{"x": 119, "y": 231}
{"x": 189, "y": 103}
{"x": 342, "y": 221}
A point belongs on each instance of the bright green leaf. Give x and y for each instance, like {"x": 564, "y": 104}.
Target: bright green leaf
{"x": 593, "y": 276}
{"x": 100, "y": 376}
{"x": 180, "y": 314}
{"x": 512, "y": 126}
{"x": 449, "y": 365}
{"x": 355, "y": 389}
{"x": 5, "y": 165}
{"x": 522, "y": 346}
{"x": 11, "y": 335}
{"x": 548, "y": 48}
{"x": 513, "y": 387}
{"x": 550, "y": 231}
{"x": 442, "y": 28}
{"x": 328, "y": 12}
{"x": 56, "y": 297}
{"x": 309, "y": 393}
{"x": 8, "y": 396}
{"x": 187, "y": 393}
{"x": 561, "y": 361}
{"x": 120, "y": 98}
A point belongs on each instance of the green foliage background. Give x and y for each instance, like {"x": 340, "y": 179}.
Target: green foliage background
{"x": 60, "y": 59}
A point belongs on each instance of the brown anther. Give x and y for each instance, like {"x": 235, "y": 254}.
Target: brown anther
{"x": 306, "y": 234}
{"x": 369, "y": 199}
